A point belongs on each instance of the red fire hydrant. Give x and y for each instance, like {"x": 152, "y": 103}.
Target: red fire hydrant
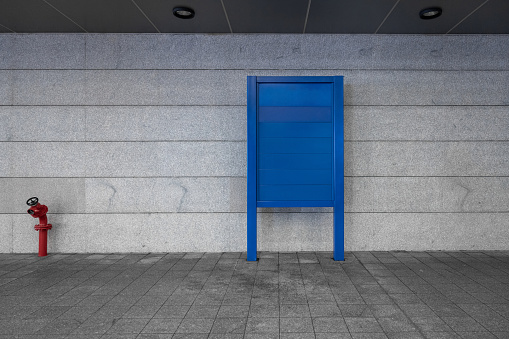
{"x": 37, "y": 210}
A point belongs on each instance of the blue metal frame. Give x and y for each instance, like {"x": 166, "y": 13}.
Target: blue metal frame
{"x": 253, "y": 162}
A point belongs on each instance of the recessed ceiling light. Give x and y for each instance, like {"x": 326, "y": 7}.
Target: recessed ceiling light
{"x": 183, "y": 12}
{"x": 430, "y": 13}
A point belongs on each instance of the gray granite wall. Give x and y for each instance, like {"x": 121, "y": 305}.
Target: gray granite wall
{"x": 137, "y": 143}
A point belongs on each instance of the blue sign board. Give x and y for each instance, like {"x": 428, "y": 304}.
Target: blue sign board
{"x": 295, "y": 149}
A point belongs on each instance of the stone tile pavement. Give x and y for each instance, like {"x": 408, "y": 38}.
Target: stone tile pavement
{"x": 371, "y": 295}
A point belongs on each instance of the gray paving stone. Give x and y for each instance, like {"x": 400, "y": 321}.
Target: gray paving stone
{"x": 297, "y": 325}
{"x": 294, "y": 311}
{"x": 397, "y": 324}
{"x": 383, "y": 311}
{"x": 478, "y": 335}
{"x": 60, "y": 327}
{"x": 145, "y": 311}
{"x": 232, "y": 311}
{"x": 329, "y": 325}
{"x": 333, "y": 336}
{"x": 229, "y": 325}
{"x": 162, "y": 325}
{"x": 95, "y": 326}
{"x": 264, "y": 311}
{"x": 226, "y": 336}
{"x": 195, "y": 325}
{"x": 463, "y": 324}
{"x": 262, "y": 325}
{"x": 430, "y": 324}
{"x": 202, "y": 311}
{"x": 262, "y": 336}
{"x": 327, "y": 310}
{"x": 128, "y": 325}
{"x": 448, "y": 310}
{"x": 373, "y": 335}
{"x": 355, "y": 311}
{"x": 190, "y": 336}
{"x": 237, "y": 299}
{"x": 363, "y": 325}
{"x": 405, "y": 335}
{"x": 120, "y": 336}
{"x": 297, "y": 335}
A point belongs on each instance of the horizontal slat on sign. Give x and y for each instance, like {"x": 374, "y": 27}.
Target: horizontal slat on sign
{"x": 297, "y": 94}
{"x": 294, "y": 161}
{"x": 294, "y": 114}
{"x": 294, "y": 129}
{"x": 295, "y": 145}
{"x": 294, "y": 192}
{"x": 295, "y": 203}
{"x": 288, "y": 177}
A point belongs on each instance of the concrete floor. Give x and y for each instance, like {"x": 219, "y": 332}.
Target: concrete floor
{"x": 284, "y": 295}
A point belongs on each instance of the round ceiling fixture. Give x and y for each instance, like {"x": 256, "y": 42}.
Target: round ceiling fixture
{"x": 183, "y": 12}
{"x": 430, "y": 13}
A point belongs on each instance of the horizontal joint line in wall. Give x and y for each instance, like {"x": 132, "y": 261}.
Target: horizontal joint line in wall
{"x": 243, "y": 141}
{"x": 258, "y": 69}
{"x": 429, "y": 141}
{"x": 130, "y": 177}
{"x": 244, "y": 177}
{"x": 421, "y": 105}
{"x": 131, "y": 213}
{"x": 234, "y": 105}
{"x": 438, "y": 212}
{"x": 146, "y": 105}
{"x": 346, "y": 212}
{"x": 426, "y": 176}
{"x": 118, "y": 141}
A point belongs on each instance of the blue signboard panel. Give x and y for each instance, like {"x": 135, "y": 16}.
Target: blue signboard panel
{"x": 295, "y": 149}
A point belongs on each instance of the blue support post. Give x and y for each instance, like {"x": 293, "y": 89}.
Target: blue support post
{"x": 251, "y": 168}
{"x": 339, "y": 199}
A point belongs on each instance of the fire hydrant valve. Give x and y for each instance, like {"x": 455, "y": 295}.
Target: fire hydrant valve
{"x": 38, "y": 210}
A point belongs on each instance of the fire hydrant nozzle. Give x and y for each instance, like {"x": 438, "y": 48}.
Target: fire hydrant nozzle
{"x": 38, "y": 210}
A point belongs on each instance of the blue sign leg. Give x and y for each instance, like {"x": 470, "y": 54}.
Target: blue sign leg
{"x": 339, "y": 177}
{"x": 251, "y": 167}
{"x": 251, "y": 232}
{"x": 339, "y": 231}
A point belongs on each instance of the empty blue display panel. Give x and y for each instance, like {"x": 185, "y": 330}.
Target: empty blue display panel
{"x": 295, "y": 149}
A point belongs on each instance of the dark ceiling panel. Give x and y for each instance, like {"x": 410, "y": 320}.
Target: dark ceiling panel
{"x": 267, "y": 16}
{"x": 209, "y": 16}
{"x": 254, "y": 16}
{"x": 347, "y": 16}
{"x": 27, "y": 16}
{"x": 405, "y": 17}
{"x": 105, "y": 16}
{"x": 4, "y": 29}
{"x": 492, "y": 18}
